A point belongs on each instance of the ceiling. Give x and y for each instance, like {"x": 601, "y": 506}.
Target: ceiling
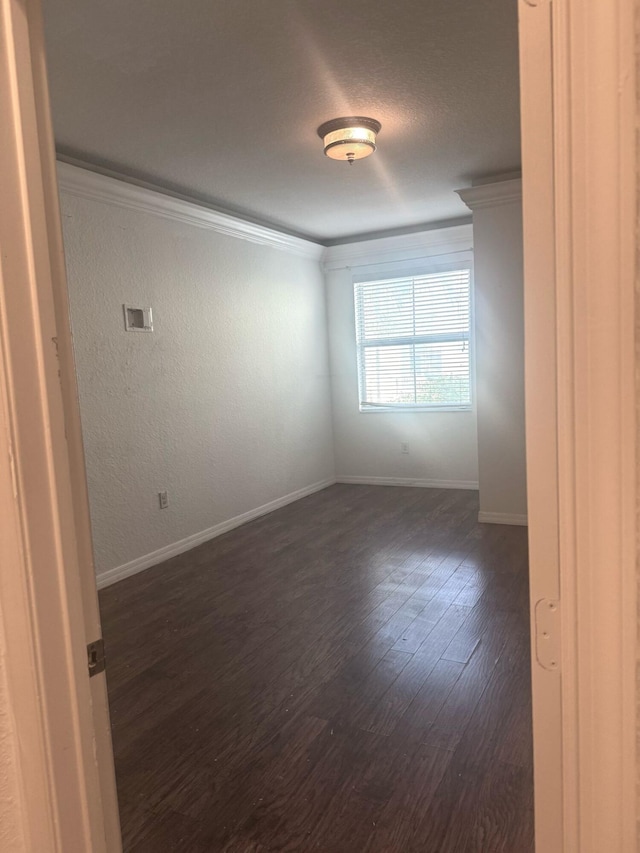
{"x": 219, "y": 100}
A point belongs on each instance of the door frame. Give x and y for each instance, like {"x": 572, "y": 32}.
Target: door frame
{"x": 577, "y": 63}
{"x": 577, "y": 56}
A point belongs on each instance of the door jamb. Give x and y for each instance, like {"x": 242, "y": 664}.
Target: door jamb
{"x": 591, "y": 171}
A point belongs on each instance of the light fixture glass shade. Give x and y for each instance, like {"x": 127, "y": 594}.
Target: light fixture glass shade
{"x": 349, "y": 139}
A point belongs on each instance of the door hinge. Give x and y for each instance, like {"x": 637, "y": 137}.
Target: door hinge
{"x": 548, "y": 634}
{"x": 96, "y": 657}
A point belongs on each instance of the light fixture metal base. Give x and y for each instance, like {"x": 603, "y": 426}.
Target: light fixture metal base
{"x": 348, "y": 121}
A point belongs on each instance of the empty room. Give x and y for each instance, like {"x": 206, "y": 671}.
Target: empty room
{"x": 294, "y": 254}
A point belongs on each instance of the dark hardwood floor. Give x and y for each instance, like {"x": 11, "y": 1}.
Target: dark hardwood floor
{"x": 347, "y": 674}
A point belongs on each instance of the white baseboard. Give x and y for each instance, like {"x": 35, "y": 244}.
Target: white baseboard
{"x": 407, "y": 481}
{"x": 118, "y": 573}
{"x": 502, "y": 518}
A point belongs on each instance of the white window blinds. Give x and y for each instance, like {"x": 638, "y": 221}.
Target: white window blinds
{"x": 413, "y": 341}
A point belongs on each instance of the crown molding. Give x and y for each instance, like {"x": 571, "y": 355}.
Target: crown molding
{"x": 422, "y": 244}
{"x": 491, "y": 195}
{"x": 83, "y": 183}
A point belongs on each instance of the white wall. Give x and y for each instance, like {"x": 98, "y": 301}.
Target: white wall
{"x": 226, "y": 404}
{"x": 442, "y": 445}
{"x": 499, "y": 288}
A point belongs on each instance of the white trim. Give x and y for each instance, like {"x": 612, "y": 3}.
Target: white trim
{"x": 502, "y": 518}
{"x": 67, "y": 796}
{"x": 422, "y": 244}
{"x": 422, "y": 409}
{"x": 118, "y": 573}
{"x": 580, "y": 175}
{"x": 541, "y": 384}
{"x": 83, "y": 183}
{"x": 595, "y": 181}
{"x": 491, "y": 195}
{"x": 406, "y": 481}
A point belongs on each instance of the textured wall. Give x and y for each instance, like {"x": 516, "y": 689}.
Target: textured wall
{"x": 442, "y": 445}
{"x": 226, "y": 404}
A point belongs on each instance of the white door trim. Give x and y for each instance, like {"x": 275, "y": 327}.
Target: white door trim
{"x": 58, "y": 718}
{"x": 595, "y": 168}
{"x": 536, "y": 84}
{"x": 579, "y": 162}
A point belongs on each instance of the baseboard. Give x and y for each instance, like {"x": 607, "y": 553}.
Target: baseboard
{"x": 407, "y": 481}
{"x": 502, "y": 518}
{"x": 118, "y": 573}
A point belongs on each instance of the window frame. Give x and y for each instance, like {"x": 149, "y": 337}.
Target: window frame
{"x": 414, "y": 270}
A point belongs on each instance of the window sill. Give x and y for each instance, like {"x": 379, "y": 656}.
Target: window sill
{"x": 365, "y": 410}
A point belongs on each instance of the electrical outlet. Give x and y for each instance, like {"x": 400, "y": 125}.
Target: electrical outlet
{"x": 163, "y": 498}
{"x": 404, "y": 447}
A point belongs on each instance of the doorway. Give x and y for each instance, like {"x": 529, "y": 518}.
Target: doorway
{"x": 610, "y": 592}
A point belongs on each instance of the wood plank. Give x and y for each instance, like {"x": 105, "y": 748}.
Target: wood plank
{"x": 350, "y": 672}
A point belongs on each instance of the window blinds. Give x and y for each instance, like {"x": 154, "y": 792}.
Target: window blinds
{"x": 413, "y": 341}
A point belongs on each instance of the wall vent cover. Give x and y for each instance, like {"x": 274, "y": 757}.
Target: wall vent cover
{"x": 137, "y": 319}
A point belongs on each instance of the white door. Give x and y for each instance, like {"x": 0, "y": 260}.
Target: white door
{"x": 65, "y": 776}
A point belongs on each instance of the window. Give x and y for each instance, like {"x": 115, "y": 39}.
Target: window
{"x": 413, "y": 339}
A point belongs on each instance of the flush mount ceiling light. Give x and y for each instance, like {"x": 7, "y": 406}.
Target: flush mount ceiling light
{"x": 350, "y": 138}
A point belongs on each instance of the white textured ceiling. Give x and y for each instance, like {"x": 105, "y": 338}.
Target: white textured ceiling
{"x": 220, "y": 100}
